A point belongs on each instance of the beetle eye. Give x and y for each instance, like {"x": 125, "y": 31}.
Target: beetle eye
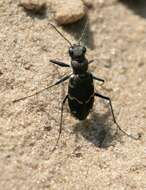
{"x": 84, "y": 50}
{"x": 70, "y": 51}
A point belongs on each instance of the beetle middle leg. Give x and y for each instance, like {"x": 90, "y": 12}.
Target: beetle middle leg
{"x": 61, "y": 119}
{"x": 99, "y": 79}
{"x": 114, "y": 119}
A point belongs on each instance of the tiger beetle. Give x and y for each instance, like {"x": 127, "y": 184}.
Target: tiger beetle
{"x": 80, "y": 87}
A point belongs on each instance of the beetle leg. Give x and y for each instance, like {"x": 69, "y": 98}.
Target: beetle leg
{"x": 91, "y": 61}
{"x": 61, "y": 118}
{"x": 99, "y": 79}
{"x": 59, "y": 63}
{"x": 56, "y": 83}
{"x": 114, "y": 119}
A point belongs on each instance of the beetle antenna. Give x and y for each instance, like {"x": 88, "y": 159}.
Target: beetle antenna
{"x": 83, "y": 31}
{"x": 60, "y": 33}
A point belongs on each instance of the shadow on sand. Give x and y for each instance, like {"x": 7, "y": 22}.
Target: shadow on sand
{"x": 98, "y": 130}
{"x": 137, "y": 6}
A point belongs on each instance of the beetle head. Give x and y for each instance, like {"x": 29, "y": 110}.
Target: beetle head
{"x": 77, "y": 52}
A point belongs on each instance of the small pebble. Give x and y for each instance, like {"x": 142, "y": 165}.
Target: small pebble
{"x": 33, "y": 5}
{"x": 69, "y": 11}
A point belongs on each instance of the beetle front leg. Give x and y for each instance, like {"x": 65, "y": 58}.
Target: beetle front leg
{"x": 60, "y": 63}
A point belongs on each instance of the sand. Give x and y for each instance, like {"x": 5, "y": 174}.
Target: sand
{"x": 116, "y": 40}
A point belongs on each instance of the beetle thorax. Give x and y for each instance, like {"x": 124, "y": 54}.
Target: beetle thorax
{"x": 79, "y": 67}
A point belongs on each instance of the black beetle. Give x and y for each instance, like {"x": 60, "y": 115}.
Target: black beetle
{"x": 80, "y": 87}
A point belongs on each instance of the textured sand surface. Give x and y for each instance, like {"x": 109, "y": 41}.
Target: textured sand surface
{"x": 116, "y": 40}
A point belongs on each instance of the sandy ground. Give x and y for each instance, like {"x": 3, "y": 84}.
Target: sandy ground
{"x": 116, "y": 40}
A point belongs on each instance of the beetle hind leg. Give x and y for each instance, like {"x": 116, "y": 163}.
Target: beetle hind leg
{"x": 114, "y": 119}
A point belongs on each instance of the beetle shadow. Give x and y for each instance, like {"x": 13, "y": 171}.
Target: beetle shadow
{"x": 97, "y": 129}
{"x": 138, "y": 6}
{"x": 76, "y": 30}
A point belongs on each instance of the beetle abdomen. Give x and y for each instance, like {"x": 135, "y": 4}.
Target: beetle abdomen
{"x": 81, "y": 95}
